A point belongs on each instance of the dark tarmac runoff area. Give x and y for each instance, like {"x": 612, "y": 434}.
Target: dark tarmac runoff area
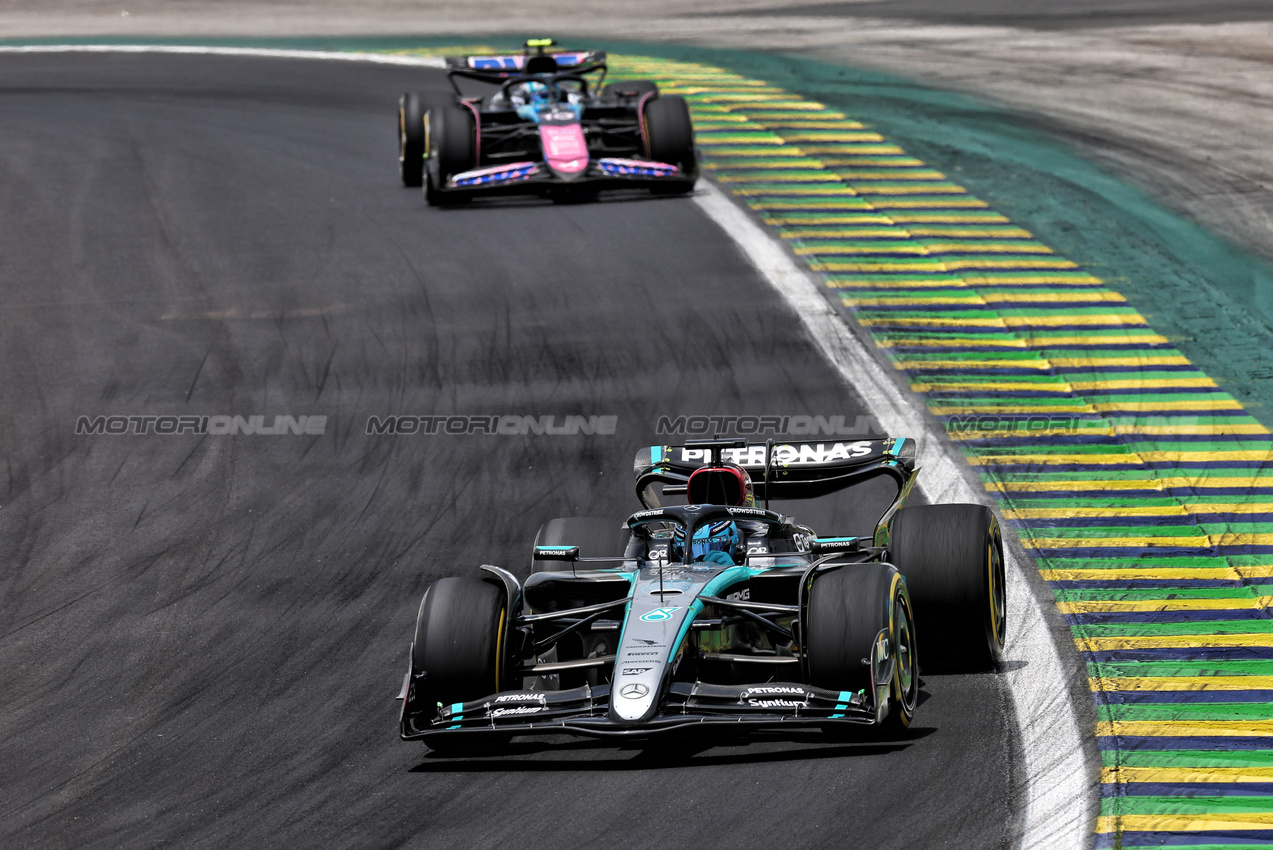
{"x": 201, "y": 635}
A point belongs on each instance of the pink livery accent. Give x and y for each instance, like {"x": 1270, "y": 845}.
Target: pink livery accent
{"x": 496, "y": 169}
{"x": 645, "y": 134}
{"x": 477, "y": 131}
{"x": 564, "y": 147}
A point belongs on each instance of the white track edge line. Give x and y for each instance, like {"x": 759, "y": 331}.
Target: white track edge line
{"x": 1059, "y": 809}
{"x": 329, "y": 55}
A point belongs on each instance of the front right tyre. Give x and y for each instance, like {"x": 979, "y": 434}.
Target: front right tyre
{"x": 848, "y": 608}
{"x": 410, "y": 139}
{"x": 450, "y": 134}
{"x": 458, "y": 654}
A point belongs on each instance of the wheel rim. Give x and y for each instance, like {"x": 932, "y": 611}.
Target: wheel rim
{"x": 402, "y": 136}
{"x": 499, "y": 649}
{"x": 907, "y": 681}
{"x": 998, "y": 600}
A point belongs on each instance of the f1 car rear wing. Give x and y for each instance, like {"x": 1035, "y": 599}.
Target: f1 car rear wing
{"x": 499, "y": 67}
{"x": 780, "y": 470}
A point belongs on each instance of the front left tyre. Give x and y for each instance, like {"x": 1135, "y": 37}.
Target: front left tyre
{"x": 952, "y": 557}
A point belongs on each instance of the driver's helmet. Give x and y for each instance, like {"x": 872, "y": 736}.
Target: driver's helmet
{"x": 722, "y": 484}
{"x": 715, "y": 542}
{"x": 530, "y": 93}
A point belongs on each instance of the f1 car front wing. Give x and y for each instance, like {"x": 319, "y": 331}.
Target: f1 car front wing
{"x": 584, "y": 711}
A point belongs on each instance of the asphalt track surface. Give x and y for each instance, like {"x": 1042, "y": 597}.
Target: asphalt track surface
{"x": 201, "y": 637}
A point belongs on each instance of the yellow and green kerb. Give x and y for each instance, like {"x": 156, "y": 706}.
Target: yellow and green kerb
{"x": 1144, "y": 491}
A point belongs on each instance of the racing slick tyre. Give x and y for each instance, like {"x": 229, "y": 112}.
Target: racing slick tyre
{"x": 450, "y": 136}
{"x": 410, "y": 139}
{"x": 458, "y": 651}
{"x": 630, "y": 90}
{"x": 848, "y": 608}
{"x": 669, "y": 135}
{"x": 952, "y": 557}
{"x": 595, "y": 537}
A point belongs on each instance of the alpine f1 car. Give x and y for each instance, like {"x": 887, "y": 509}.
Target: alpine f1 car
{"x": 547, "y": 124}
{"x": 715, "y": 612}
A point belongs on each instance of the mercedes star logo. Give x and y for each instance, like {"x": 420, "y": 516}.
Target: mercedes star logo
{"x": 634, "y": 691}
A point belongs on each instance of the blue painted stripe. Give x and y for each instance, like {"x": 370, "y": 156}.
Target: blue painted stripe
{"x": 1156, "y": 743}
{"x": 1156, "y": 551}
{"x": 1186, "y": 789}
{"x": 1239, "y": 837}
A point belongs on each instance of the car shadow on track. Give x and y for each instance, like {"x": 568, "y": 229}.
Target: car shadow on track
{"x": 576, "y": 198}
{"x": 549, "y": 755}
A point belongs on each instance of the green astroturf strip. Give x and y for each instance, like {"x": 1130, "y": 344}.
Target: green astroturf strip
{"x": 1187, "y": 758}
{"x": 1143, "y": 805}
{"x": 1134, "y": 669}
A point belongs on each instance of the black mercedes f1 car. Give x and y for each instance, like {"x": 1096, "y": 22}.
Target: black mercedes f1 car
{"x": 546, "y": 123}
{"x": 715, "y": 612}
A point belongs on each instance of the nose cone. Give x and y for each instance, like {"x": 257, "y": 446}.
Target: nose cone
{"x": 565, "y": 149}
{"x": 649, "y": 642}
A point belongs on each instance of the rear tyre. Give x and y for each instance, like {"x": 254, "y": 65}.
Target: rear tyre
{"x": 450, "y": 136}
{"x": 410, "y": 139}
{"x": 848, "y": 608}
{"x": 595, "y": 537}
{"x": 458, "y": 647}
{"x": 952, "y": 557}
{"x": 669, "y": 135}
